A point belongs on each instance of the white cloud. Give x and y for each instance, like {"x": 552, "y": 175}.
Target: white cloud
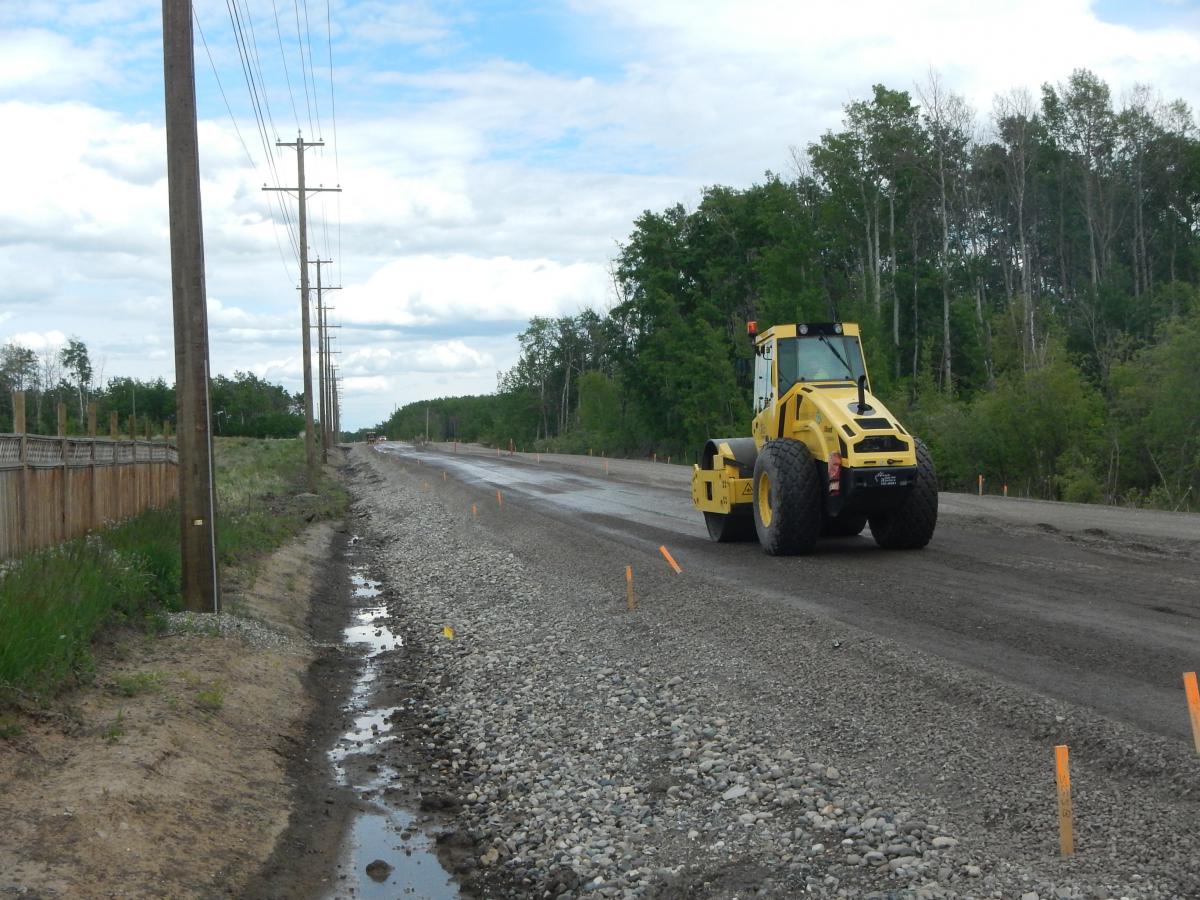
{"x": 442, "y": 356}
{"x": 38, "y": 340}
{"x": 370, "y": 384}
{"x": 427, "y": 290}
{"x": 40, "y": 62}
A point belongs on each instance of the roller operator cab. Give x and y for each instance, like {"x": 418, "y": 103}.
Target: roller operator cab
{"x": 824, "y": 458}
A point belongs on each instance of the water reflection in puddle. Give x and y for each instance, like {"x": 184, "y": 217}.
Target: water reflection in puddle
{"x": 379, "y": 832}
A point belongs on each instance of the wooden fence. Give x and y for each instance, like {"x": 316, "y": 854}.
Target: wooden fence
{"x": 55, "y": 488}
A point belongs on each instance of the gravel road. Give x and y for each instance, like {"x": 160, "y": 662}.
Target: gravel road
{"x": 855, "y": 723}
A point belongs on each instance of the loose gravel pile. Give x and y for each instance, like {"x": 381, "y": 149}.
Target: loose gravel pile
{"x": 585, "y": 762}
{"x": 252, "y": 631}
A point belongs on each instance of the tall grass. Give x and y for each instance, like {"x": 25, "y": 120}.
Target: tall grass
{"x": 53, "y": 602}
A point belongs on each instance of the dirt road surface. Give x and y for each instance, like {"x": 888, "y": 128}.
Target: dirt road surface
{"x": 849, "y": 722}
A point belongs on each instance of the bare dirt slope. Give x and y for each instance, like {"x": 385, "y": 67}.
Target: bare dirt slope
{"x": 168, "y": 776}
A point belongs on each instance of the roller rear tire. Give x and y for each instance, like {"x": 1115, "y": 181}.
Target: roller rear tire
{"x": 910, "y": 525}
{"x": 787, "y": 498}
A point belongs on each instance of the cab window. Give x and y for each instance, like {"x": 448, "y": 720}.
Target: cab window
{"x": 820, "y": 358}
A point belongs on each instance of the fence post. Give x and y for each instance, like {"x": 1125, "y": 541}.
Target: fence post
{"x": 113, "y": 425}
{"x": 91, "y": 430}
{"x": 22, "y": 541}
{"x": 64, "y": 450}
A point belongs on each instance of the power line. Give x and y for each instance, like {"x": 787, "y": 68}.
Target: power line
{"x": 256, "y": 104}
{"x": 283, "y": 56}
{"x": 303, "y": 66}
{"x": 266, "y": 104}
{"x": 221, "y": 88}
{"x": 337, "y": 171}
{"x": 312, "y": 72}
{"x": 241, "y": 141}
{"x": 236, "y": 128}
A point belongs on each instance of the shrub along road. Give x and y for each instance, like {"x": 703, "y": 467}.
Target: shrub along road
{"x": 850, "y": 721}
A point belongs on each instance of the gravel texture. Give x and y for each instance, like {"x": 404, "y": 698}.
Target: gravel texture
{"x": 706, "y": 746}
{"x": 252, "y": 631}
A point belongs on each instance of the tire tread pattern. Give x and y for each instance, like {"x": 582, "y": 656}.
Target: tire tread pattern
{"x": 795, "y": 488}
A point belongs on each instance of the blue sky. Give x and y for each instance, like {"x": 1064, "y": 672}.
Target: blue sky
{"x": 492, "y": 154}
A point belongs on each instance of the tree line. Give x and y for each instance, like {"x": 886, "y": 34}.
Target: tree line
{"x": 1028, "y": 282}
{"x": 242, "y": 405}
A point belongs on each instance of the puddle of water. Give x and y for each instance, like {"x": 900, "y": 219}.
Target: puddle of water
{"x": 380, "y": 832}
{"x": 395, "y": 837}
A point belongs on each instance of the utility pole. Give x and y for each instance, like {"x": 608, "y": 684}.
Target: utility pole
{"x": 197, "y": 499}
{"x": 310, "y": 444}
{"x": 330, "y": 385}
{"x": 326, "y": 406}
{"x": 337, "y": 399}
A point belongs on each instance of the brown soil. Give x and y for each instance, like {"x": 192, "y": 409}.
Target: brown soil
{"x": 184, "y": 788}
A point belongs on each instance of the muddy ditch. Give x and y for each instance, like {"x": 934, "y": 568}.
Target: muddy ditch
{"x": 369, "y": 819}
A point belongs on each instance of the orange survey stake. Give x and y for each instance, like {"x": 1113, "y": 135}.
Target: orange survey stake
{"x": 670, "y": 559}
{"x": 1066, "y": 825}
{"x": 1193, "y": 702}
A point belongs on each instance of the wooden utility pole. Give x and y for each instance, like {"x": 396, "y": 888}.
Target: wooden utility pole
{"x": 324, "y": 388}
{"x": 330, "y": 384}
{"x": 322, "y": 381}
{"x": 337, "y": 400}
{"x": 197, "y": 499}
{"x": 310, "y": 442}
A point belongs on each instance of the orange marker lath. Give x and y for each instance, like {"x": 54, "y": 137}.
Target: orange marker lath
{"x": 499, "y": 499}
{"x": 670, "y": 559}
{"x": 629, "y": 601}
{"x": 1066, "y": 825}
{"x": 1193, "y": 701}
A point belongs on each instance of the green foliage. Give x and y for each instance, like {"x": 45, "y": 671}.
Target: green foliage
{"x": 242, "y": 405}
{"x": 599, "y": 410}
{"x": 1158, "y": 416}
{"x": 247, "y": 406}
{"x": 51, "y": 603}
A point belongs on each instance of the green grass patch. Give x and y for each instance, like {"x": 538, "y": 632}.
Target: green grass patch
{"x": 53, "y": 602}
{"x": 115, "y": 731}
{"x": 211, "y": 698}
{"x": 138, "y": 683}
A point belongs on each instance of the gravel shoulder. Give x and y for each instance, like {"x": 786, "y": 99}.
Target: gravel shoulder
{"x": 717, "y": 742}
